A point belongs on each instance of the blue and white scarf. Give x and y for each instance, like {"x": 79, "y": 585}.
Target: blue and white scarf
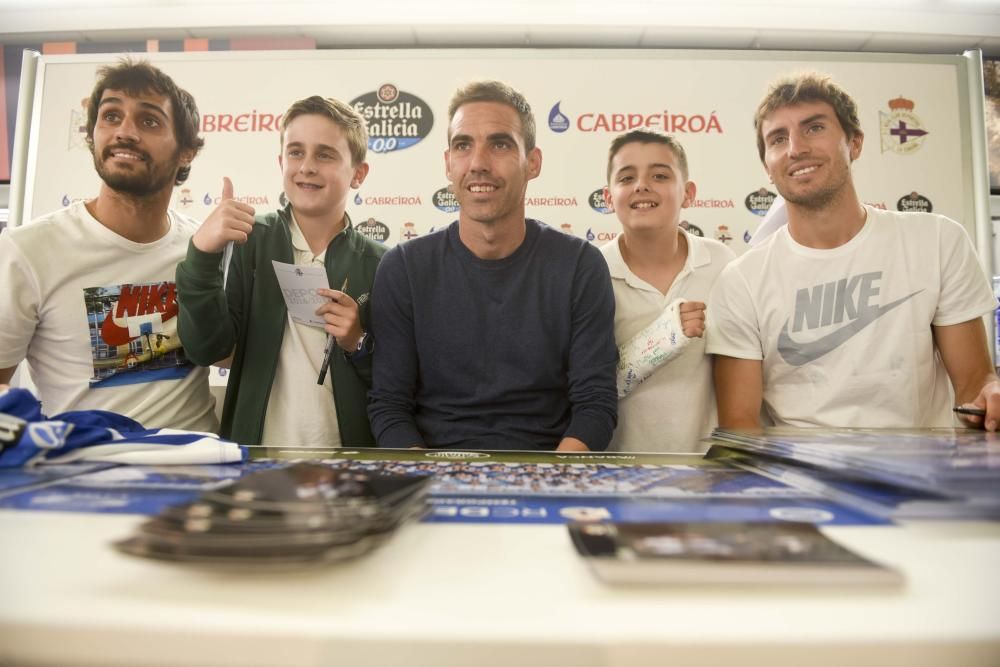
{"x": 27, "y": 437}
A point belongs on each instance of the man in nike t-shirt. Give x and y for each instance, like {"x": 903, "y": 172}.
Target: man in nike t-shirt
{"x": 849, "y": 316}
{"x": 87, "y": 292}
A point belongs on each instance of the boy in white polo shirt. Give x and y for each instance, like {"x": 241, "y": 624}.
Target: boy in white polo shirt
{"x": 661, "y": 275}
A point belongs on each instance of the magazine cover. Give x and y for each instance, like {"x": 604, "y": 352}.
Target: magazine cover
{"x": 858, "y": 491}
{"x": 722, "y": 553}
{"x": 957, "y": 462}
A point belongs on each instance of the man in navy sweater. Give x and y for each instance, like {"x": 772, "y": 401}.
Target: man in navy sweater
{"x": 496, "y": 332}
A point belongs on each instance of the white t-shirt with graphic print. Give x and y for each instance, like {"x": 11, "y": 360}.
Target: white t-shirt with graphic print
{"x": 95, "y": 315}
{"x": 845, "y": 334}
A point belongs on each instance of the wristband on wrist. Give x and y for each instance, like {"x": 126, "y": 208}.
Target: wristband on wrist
{"x": 365, "y": 346}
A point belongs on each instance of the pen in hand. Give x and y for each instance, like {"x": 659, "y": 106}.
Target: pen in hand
{"x": 330, "y": 342}
{"x": 227, "y": 257}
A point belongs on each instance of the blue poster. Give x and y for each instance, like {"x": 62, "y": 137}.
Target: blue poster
{"x": 484, "y": 488}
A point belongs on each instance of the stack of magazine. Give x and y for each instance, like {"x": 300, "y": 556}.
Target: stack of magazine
{"x": 298, "y": 514}
{"x": 890, "y": 473}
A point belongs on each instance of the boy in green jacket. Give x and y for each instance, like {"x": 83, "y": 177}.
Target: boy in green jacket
{"x": 273, "y": 397}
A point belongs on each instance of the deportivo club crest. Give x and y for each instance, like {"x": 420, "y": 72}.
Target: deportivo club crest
{"x": 408, "y": 231}
{"x": 902, "y": 131}
{"x": 722, "y": 234}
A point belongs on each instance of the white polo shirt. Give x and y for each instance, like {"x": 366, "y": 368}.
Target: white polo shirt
{"x": 301, "y": 413}
{"x": 675, "y": 407}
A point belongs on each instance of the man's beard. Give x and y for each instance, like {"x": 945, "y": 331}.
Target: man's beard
{"x": 819, "y": 199}
{"x": 140, "y": 182}
{"x": 815, "y": 201}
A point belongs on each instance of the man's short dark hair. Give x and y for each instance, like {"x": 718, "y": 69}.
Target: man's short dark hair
{"x": 649, "y": 137}
{"x": 136, "y": 78}
{"x": 807, "y": 87}
{"x": 495, "y": 91}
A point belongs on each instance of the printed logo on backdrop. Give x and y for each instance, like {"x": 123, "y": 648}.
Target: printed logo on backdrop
{"x": 78, "y": 126}
{"x": 373, "y": 229}
{"x": 747, "y": 236}
{"x": 184, "y": 198}
{"x": 722, "y": 234}
{"x": 567, "y": 228}
{"x": 211, "y": 199}
{"x": 759, "y": 201}
{"x": 692, "y": 229}
{"x": 596, "y": 201}
{"x": 914, "y": 203}
{"x": 67, "y": 200}
{"x": 396, "y": 119}
{"x": 902, "y": 131}
{"x": 600, "y": 237}
{"x": 550, "y": 201}
{"x": 558, "y": 121}
{"x": 388, "y": 200}
{"x": 407, "y": 231}
{"x": 444, "y": 200}
{"x": 663, "y": 121}
{"x": 251, "y": 121}
{"x": 877, "y": 204}
{"x": 713, "y": 203}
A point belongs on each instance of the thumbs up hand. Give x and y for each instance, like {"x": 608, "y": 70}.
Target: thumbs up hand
{"x": 230, "y": 221}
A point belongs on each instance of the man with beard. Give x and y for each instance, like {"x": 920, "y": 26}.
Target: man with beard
{"x": 88, "y": 294}
{"x": 849, "y": 316}
{"x": 496, "y": 332}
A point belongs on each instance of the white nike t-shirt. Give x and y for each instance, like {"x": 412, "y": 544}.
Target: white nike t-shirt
{"x": 845, "y": 334}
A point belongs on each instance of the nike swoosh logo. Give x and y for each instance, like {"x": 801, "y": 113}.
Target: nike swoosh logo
{"x": 114, "y": 334}
{"x": 799, "y": 354}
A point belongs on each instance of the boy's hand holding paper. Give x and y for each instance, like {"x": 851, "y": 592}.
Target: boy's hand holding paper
{"x": 300, "y": 287}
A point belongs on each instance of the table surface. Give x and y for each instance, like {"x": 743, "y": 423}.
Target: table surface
{"x": 460, "y": 594}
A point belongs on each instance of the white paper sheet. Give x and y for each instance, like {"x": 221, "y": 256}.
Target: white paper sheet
{"x": 298, "y": 286}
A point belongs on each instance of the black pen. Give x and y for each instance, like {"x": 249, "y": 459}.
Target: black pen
{"x": 963, "y": 410}
{"x": 330, "y": 342}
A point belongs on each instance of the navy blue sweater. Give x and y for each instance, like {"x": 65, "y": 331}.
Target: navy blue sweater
{"x": 514, "y": 353}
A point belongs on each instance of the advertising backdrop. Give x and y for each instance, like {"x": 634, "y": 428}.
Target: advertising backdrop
{"x": 915, "y": 112}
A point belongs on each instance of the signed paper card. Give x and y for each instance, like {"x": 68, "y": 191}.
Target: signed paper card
{"x": 298, "y": 286}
